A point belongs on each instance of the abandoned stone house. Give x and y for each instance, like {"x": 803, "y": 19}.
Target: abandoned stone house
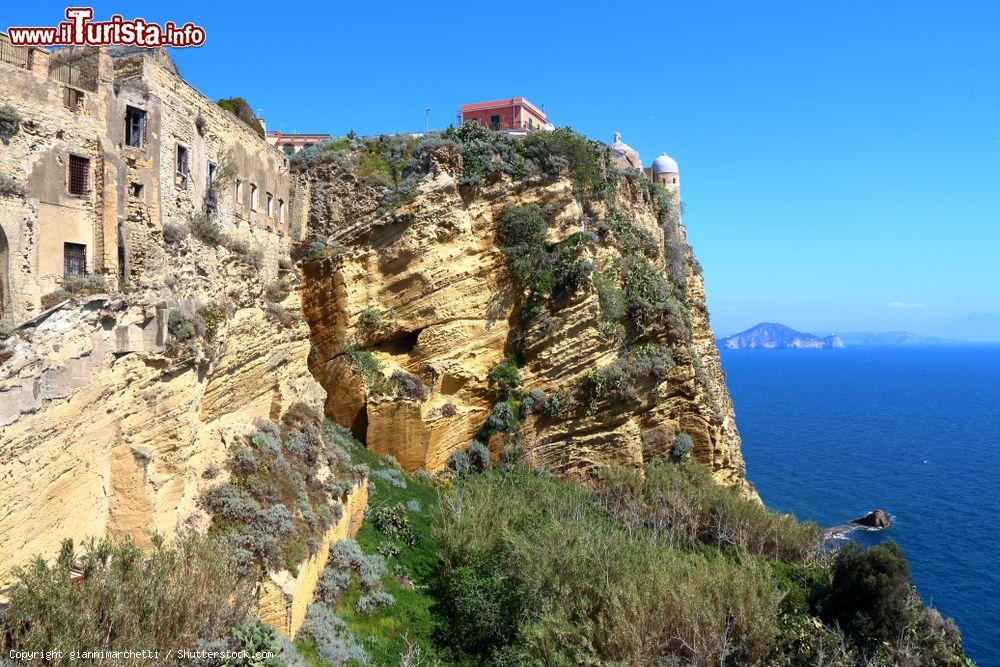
{"x": 106, "y": 148}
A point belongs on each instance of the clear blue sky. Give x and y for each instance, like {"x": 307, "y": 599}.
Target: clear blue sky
{"x": 840, "y": 161}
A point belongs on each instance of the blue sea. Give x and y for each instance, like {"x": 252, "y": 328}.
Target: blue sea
{"x": 829, "y": 435}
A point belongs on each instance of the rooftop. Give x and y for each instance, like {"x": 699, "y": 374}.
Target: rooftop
{"x": 510, "y": 101}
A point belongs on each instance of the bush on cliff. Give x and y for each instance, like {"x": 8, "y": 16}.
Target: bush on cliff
{"x": 240, "y": 108}
{"x": 113, "y": 595}
{"x": 275, "y": 508}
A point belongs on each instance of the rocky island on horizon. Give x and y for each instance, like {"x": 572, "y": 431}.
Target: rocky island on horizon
{"x": 775, "y": 336}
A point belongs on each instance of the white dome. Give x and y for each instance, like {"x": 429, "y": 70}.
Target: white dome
{"x": 665, "y": 165}
{"x": 624, "y": 155}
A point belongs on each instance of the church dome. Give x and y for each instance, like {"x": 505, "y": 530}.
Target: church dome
{"x": 624, "y": 155}
{"x": 665, "y": 165}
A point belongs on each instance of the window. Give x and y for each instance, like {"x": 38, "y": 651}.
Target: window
{"x": 135, "y": 127}
{"x": 253, "y": 197}
{"x": 281, "y": 210}
{"x": 74, "y": 260}
{"x": 78, "y": 182}
{"x": 531, "y": 123}
{"x": 136, "y": 189}
{"x": 270, "y": 205}
{"x": 495, "y": 122}
{"x": 210, "y": 175}
{"x": 182, "y": 166}
{"x": 239, "y": 192}
{"x": 73, "y": 99}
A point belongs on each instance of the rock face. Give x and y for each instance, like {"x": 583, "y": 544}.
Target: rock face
{"x": 773, "y": 336}
{"x": 107, "y": 428}
{"x": 874, "y": 520}
{"x": 449, "y": 312}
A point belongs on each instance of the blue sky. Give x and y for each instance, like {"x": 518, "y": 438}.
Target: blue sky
{"x": 840, "y": 161}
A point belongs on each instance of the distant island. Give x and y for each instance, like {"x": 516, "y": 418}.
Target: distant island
{"x": 890, "y": 339}
{"x": 774, "y": 336}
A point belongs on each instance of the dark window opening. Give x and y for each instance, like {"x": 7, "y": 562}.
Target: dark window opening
{"x": 74, "y": 260}
{"x": 136, "y": 189}
{"x": 135, "y": 127}
{"x": 79, "y": 175}
{"x": 182, "y": 166}
{"x": 210, "y": 175}
{"x": 73, "y": 99}
{"x": 495, "y": 122}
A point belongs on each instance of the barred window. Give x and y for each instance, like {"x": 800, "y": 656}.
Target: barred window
{"x": 74, "y": 260}
{"x": 79, "y": 175}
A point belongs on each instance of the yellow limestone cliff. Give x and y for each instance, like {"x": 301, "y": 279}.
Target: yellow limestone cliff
{"x": 432, "y": 274}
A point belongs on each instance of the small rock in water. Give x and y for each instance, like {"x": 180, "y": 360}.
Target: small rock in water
{"x": 875, "y": 520}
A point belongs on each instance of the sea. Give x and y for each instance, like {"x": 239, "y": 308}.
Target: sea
{"x": 829, "y": 435}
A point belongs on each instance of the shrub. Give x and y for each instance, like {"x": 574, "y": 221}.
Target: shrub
{"x": 505, "y": 375}
{"x": 345, "y": 555}
{"x": 175, "y": 232}
{"x": 479, "y": 456}
{"x": 371, "y": 570}
{"x": 392, "y": 476}
{"x": 10, "y": 187}
{"x": 587, "y": 160}
{"x": 212, "y": 316}
{"x": 334, "y": 642}
{"x": 255, "y": 638}
{"x": 181, "y": 325}
{"x": 10, "y": 123}
{"x": 392, "y": 522}
{"x": 183, "y": 592}
{"x": 241, "y": 109}
{"x": 332, "y": 582}
{"x": 369, "y": 603}
{"x": 409, "y": 386}
{"x": 458, "y": 462}
{"x": 868, "y": 594}
{"x": 533, "y": 566}
{"x": 682, "y": 446}
{"x": 205, "y": 229}
{"x": 557, "y": 403}
{"x": 367, "y": 365}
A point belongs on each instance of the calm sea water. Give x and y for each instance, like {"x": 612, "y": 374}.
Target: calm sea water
{"x": 830, "y": 434}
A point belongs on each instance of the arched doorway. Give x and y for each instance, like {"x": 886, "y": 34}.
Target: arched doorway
{"x": 4, "y": 278}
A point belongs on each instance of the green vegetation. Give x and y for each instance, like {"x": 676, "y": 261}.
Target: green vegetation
{"x": 10, "y": 123}
{"x": 115, "y": 596}
{"x": 240, "y": 108}
{"x": 275, "y": 509}
{"x": 205, "y": 229}
{"x": 375, "y": 323}
{"x": 407, "y": 543}
{"x": 544, "y": 271}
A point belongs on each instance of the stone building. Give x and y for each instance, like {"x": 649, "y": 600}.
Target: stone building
{"x": 103, "y": 148}
{"x": 664, "y": 171}
{"x": 623, "y": 155}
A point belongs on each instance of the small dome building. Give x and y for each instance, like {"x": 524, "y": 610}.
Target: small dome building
{"x": 623, "y": 155}
{"x": 664, "y": 171}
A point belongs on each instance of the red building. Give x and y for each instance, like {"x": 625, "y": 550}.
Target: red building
{"x": 292, "y": 143}
{"x": 514, "y": 114}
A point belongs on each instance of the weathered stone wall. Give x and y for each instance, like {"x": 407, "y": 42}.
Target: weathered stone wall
{"x": 103, "y": 431}
{"x": 284, "y": 599}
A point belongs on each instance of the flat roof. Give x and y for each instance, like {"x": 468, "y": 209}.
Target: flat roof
{"x": 510, "y": 101}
